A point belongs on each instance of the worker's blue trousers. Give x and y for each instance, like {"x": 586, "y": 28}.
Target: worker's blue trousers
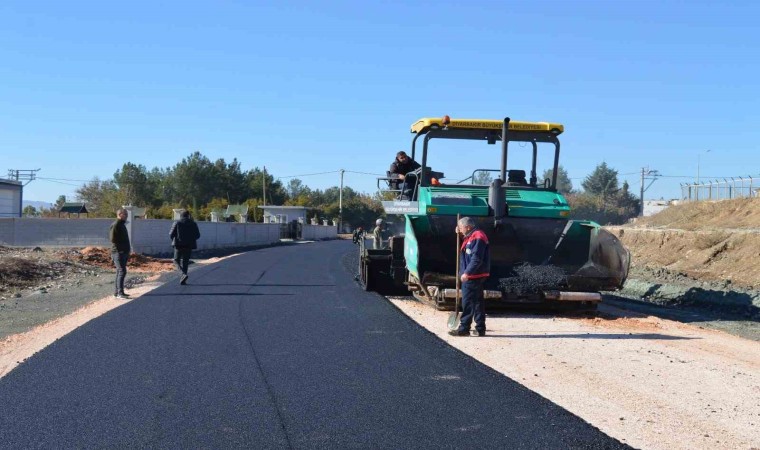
{"x": 473, "y": 305}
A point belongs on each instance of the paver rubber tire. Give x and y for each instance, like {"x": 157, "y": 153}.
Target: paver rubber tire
{"x": 367, "y": 279}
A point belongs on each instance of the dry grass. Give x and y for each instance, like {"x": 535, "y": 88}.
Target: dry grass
{"x": 705, "y": 240}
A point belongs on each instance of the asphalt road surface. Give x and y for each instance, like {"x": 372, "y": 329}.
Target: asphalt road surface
{"x": 275, "y": 348}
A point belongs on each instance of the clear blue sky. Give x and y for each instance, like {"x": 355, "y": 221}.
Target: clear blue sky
{"x": 308, "y": 87}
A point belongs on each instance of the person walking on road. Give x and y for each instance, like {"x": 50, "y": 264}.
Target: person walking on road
{"x": 474, "y": 268}
{"x": 358, "y": 235}
{"x": 184, "y": 234}
{"x": 120, "y": 249}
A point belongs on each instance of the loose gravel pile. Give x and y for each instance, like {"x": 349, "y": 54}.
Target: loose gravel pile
{"x": 529, "y": 279}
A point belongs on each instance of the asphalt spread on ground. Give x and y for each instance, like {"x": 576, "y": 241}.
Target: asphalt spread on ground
{"x": 274, "y": 348}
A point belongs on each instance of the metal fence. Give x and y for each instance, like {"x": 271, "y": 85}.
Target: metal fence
{"x": 727, "y": 188}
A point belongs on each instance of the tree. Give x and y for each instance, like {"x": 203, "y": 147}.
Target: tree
{"x": 29, "y": 211}
{"x": 216, "y": 204}
{"x": 136, "y": 186}
{"x": 192, "y": 181}
{"x": 161, "y": 181}
{"x": 59, "y": 203}
{"x": 102, "y": 198}
{"x": 602, "y": 181}
{"x": 361, "y": 210}
{"x": 564, "y": 185}
{"x": 230, "y": 181}
{"x": 276, "y": 193}
{"x": 295, "y": 188}
{"x": 630, "y": 204}
{"x": 482, "y": 177}
{"x": 602, "y": 201}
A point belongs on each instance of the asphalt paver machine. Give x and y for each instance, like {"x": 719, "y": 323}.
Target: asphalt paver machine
{"x": 539, "y": 256}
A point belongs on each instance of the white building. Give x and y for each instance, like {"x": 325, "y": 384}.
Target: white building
{"x": 11, "y": 195}
{"x": 284, "y": 214}
{"x": 652, "y": 207}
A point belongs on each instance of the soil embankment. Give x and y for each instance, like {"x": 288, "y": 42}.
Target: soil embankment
{"x": 697, "y": 253}
{"x": 712, "y": 241}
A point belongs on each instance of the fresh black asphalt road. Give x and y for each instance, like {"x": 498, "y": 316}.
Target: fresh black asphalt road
{"x": 274, "y": 348}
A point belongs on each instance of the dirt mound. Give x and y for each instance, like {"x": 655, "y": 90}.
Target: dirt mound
{"x": 101, "y": 257}
{"x": 741, "y": 213}
{"x": 714, "y": 241}
{"x": 142, "y": 263}
{"x": 22, "y": 268}
{"x": 96, "y": 256}
{"x": 19, "y": 272}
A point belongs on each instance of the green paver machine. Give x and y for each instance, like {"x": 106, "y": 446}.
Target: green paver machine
{"x": 538, "y": 254}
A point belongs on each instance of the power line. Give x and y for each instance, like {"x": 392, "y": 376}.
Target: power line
{"x": 59, "y": 182}
{"x": 310, "y": 174}
{"x": 702, "y": 176}
{"x": 365, "y": 173}
{"x": 65, "y": 179}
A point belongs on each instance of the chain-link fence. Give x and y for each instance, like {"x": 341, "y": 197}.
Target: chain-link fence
{"x": 727, "y": 188}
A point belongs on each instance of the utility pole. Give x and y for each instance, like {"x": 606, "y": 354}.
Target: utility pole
{"x": 698, "y": 158}
{"x": 27, "y": 175}
{"x": 340, "y": 202}
{"x": 646, "y": 174}
{"x": 264, "y": 185}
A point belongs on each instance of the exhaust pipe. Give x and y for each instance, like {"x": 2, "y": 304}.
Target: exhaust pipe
{"x": 497, "y": 194}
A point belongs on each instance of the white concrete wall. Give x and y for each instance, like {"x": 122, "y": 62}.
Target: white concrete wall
{"x": 318, "y": 232}
{"x": 35, "y": 232}
{"x": 149, "y": 236}
{"x": 152, "y": 236}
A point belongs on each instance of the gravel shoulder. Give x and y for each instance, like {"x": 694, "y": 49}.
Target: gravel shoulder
{"x": 675, "y": 366}
{"x": 649, "y": 382}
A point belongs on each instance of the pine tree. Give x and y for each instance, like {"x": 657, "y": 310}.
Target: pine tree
{"x": 603, "y": 181}
{"x": 564, "y": 185}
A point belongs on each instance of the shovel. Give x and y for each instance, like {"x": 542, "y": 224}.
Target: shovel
{"x": 456, "y": 315}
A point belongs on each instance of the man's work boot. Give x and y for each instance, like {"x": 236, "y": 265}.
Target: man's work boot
{"x": 459, "y": 333}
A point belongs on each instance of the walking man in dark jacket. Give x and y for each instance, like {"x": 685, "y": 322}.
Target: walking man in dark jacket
{"x": 474, "y": 270}
{"x": 120, "y": 249}
{"x": 184, "y": 234}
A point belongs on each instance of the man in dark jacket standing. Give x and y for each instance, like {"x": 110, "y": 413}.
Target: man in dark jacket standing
{"x": 474, "y": 270}
{"x": 120, "y": 249}
{"x": 184, "y": 234}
